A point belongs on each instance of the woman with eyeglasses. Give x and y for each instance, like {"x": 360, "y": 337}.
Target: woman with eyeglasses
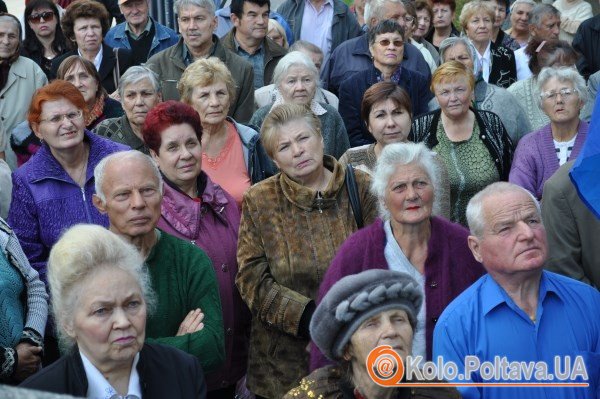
{"x": 562, "y": 95}
{"x": 386, "y": 44}
{"x": 53, "y": 190}
{"x": 44, "y": 38}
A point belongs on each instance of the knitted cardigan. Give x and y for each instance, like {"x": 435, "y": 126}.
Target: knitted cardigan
{"x": 526, "y": 93}
{"x": 535, "y": 158}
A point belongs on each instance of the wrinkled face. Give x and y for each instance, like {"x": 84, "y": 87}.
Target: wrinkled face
{"x": 442, "y": 16}
{"x": 409, "y": 195}
{"x": 42, "y": 22}
{"x": 84, "y": 81}
{"x": 211, "y": 102}
{"x": 196, "y": 26}
{"x": 254, "y": 21}
{"x": 109, "y": 323}
{"x": 549, "y": 27}
{"x": 560, "y": 101}
{"x": 298, "y": 151}
{"x": 133, "y": 198}
{"x": 390, "y": 327}
{"x": 499, "y": 12}
{"x": 514, "y": 238}
{"x": 388, "y": 122}
{"x": 180, "y": 154}
{"x": 423, "y": 23}
{"x": 88, "y": 34}
{"x": 454, "y": 97}
{"x": 9, "y": 39}
{"x": 460, "y": 53}
{"x": 387, "y": 50}
{"x": 479, "y": 28}
{"x": 519, "y": 18}
{"x": 138, "y": 99}
{"x": 135, "y": 12}
{"x": 395, "y": 11}
{"x": 61, "y": 125}
{"x": 276, "y": 36}
{"x": 298, "y": 85}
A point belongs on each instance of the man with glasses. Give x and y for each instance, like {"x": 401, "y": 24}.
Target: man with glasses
{"x": 140, "y": 33}
{"x": 197, "y": 23}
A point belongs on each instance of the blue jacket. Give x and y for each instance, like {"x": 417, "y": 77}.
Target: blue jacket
{"x": 353, "y": 89}
{"x": 164, "y": 37}
{"x": 354, "y": 55}
{"x": 46, "y": 201}
{"x": 257, "y": 161}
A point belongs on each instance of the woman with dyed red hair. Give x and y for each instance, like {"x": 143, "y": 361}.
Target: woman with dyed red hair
{"x": 53, "y": 190}
{"x": 196, "y": 209}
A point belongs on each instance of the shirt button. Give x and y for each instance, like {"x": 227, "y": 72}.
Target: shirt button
{"x": 224, "y": 268}
{"x": 434, "y": 319}
{"x": 483, "y": 136}
{"x": 433, "y": 284}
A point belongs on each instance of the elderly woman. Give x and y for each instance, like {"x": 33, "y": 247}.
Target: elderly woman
{"x": 409, "y": 238}
{"x": 53, "y": 190}
{"x": 548, "y": 53}
{"x": 24, "y": 311}
{"x": 232, "y": 155}
{"x": 386, "y": 44}
{"x": 497, "y": 63}
{"x": 82, "y": 73}
{"x": 44, "y": 39}
{"x": 292, "y": 225}
{"x": 410, "y": 27}
{"x": 197, "y": 210}
{"x": 499, "y": 37}
{"x": 443, "y": 15}
{"x": 387, "y": 315}
{"x": 139, "y": 91}
{"x": 100, "y": 297}
{"x": 488, "y": 97}
{"x": 422, "y": 26}
{"x": 296, "y": 79}
{"x": 85, "y": 23}
{"x": 473, "y": 143}
{"x": 519, "y": 21}
{"x": 539, "y": 154}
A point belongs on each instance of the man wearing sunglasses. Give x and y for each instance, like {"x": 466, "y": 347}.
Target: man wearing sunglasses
{"x": 140, "y": 33}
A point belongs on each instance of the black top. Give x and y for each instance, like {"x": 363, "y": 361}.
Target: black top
{"x": 140, "y": 47}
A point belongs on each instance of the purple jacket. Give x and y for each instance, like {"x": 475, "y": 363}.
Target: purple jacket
{"x": 213, "y": 226}
{"x": 46, "y": 201}
{"x": 535, "y": 158}
{"x": 449, "y": 269}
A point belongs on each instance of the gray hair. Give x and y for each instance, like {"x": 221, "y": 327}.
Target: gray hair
{"x": 539, "y": 11}
{"x": 206, "y": 4}
{"x": 517, "y": 2}
{"x": 294, "y": 58}
{"x": 136, "y": 74}
{"x": 452, "y": 41}
{"x": 475, "y": 217}
{"x": 303, "y": 45}
{"x": 376, "y": 9}
{"x": 562, "y": 74}
{"x": 119, "y": 157}
{"x": 81, "y": 252}
{"x": 399, "y": 154}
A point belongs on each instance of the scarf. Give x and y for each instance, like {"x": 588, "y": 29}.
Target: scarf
{"x": 96, "y": 111}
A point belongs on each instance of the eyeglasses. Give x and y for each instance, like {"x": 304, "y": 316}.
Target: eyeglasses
{"x": 552, "y": 95}
{"x": 386, "y": 42}
{"x": 71, "y": 116}
{"x": 37, "y": 18}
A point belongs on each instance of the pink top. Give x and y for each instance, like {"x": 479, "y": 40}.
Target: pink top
{"x": 228, "y": 169}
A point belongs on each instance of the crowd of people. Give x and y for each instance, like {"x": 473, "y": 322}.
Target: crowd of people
{"x": 247, "y": 204}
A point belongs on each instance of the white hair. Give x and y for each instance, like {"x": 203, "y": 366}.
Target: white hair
{"x": 399, "y": 154}
{"x": 375, "y": 9}
{"x": 452, "y": 41}
{"x": 517, "y": 2}
{"x": 562, "y": 74}
{"x": 206, "y": 4}
{"x": 294, "y": 58}
{"x": 136, "y": 74}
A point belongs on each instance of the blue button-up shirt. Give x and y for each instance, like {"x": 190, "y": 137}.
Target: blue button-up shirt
{"x": 485, "y": 322}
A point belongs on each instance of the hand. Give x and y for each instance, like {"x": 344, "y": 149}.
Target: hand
{"x": 191, "y": 323}
{"x": 30, "y": 360}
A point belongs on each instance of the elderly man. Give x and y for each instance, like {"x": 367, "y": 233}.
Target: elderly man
{"x": 197, "y": 22}
{"x": 188, "y": 312}
{"x": 140, "y": 33}
{"x": 518, "y": 312}
{"x": 248, "y": 38}
{"x": 544, "y": 24}
{"x": 354, "y": 55}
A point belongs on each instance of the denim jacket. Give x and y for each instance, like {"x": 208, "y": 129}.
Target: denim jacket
{"x": 163, "y": 38}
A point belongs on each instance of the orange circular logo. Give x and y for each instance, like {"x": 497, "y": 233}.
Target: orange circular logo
{"x": 385, "y": 366}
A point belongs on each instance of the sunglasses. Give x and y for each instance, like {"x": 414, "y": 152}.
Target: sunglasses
{"x": 37, "y": 18}
{"x": 386, "y": 42}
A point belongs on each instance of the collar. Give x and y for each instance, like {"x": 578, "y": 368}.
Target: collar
{"x": 238, "y": 48}
{"x": 100, "y": 388}
{"x": 144, "y": 32}
{"x": 187, "y": 55}
{"x": 315, "y": 107}
{"x": 327, "y": 2}
{"x": 97, "y": 59}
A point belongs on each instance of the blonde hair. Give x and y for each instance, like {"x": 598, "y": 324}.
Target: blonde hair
{"x": 202, "y": 73}
{"x": 451, "y": 71}
{"x": 274, "y": 24}
{"x": 282, "y": 115}
{"x": 473, "y": 7}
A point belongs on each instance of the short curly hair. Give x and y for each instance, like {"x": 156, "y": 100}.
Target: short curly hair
{"x": 84, "y": 9}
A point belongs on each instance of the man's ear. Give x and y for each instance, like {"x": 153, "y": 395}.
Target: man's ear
{"x": 235, "y": 20}
{"x": 475, "y": 247}
{"x": 99, "y": 204}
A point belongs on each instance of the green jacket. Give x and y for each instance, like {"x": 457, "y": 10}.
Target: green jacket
{"x": 169, "y": 65}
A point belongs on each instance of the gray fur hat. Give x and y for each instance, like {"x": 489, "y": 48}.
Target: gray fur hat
{"x": 356, "y": 298}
